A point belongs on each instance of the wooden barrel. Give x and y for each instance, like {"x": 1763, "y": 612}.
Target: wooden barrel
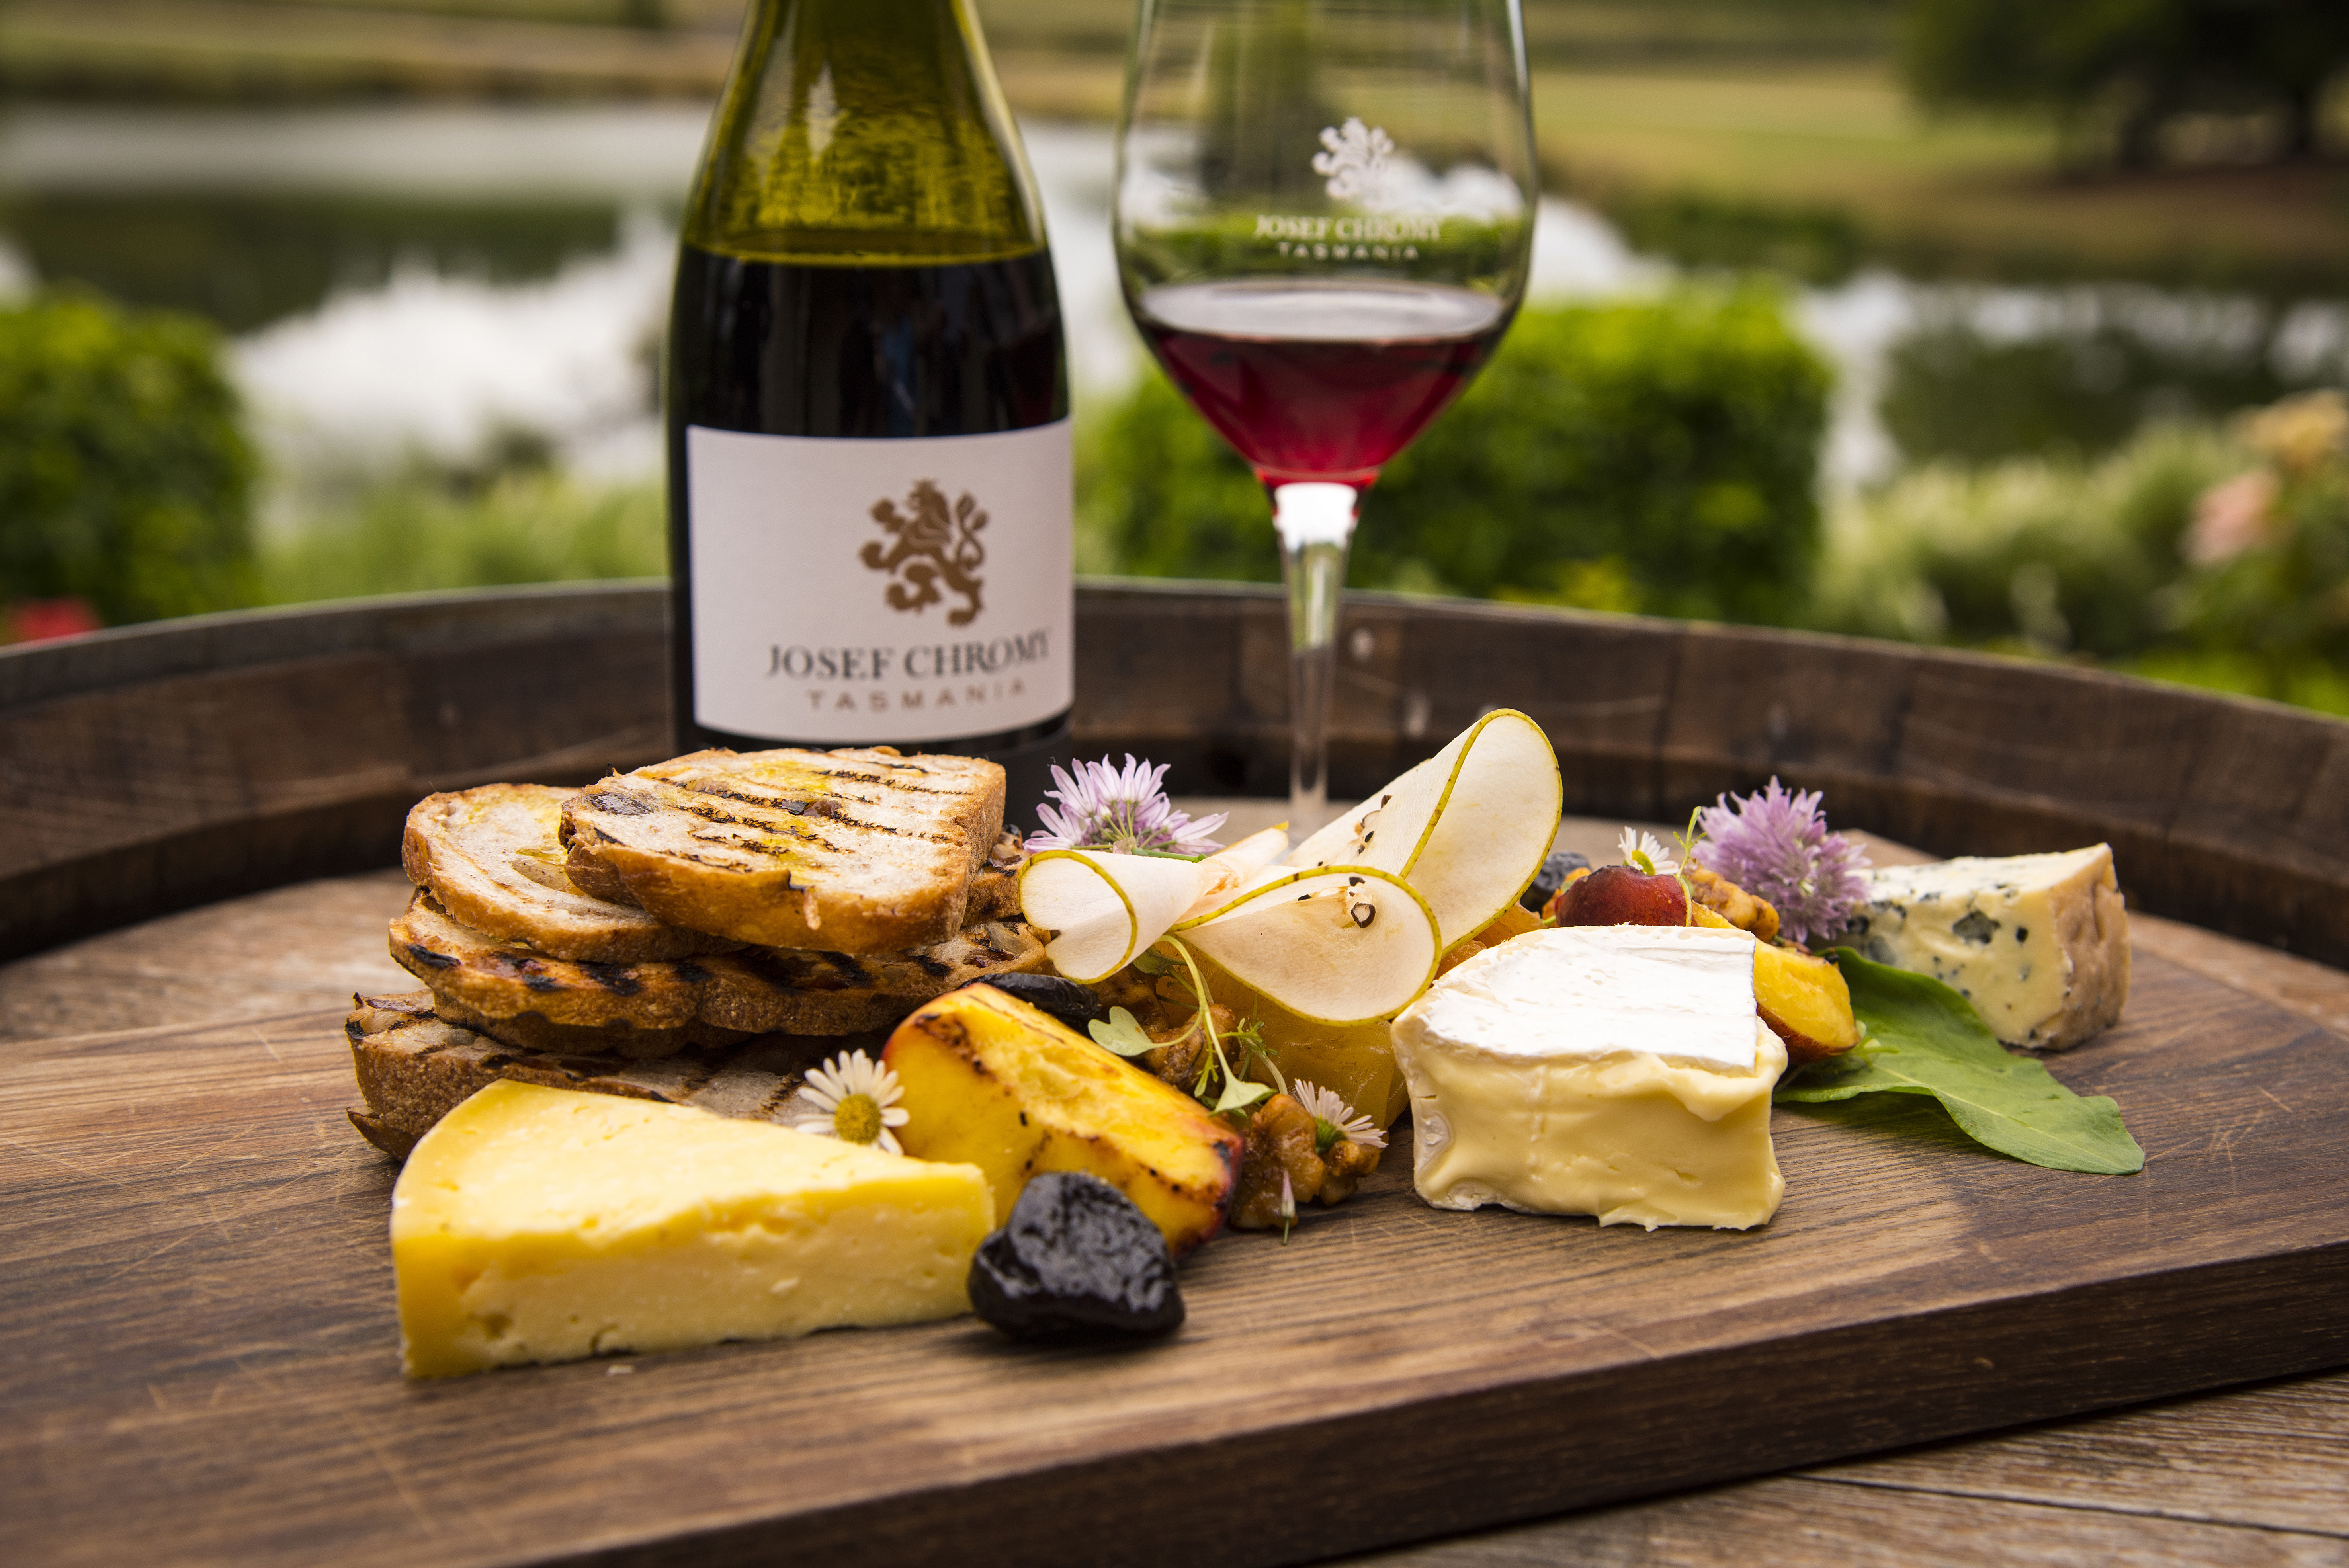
{"x": 156, "y": 768}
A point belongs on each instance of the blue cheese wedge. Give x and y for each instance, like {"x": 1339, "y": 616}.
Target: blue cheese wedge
{"x": 1618, "y": 1071}
{"x": 546, "y": 1224}
{"x": 2038, "y": 944}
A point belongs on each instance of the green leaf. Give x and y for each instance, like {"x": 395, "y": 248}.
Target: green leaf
{"x": 1123, "y": 1034}
{"x": 1238, "y": 1095}
{"x": 1925, "y": 1038}
{"x": 1153, "y": 964}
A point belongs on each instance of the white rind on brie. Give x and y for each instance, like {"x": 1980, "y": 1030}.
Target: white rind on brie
{"x": 1681, "y": 993}
{"x": 1616, "y": 1071}
{"x": 2038, "y": 944}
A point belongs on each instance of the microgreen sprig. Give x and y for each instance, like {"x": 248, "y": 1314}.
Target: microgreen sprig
{"x": 1239, "y": 1092}
{"x": 1123, "y": 1034}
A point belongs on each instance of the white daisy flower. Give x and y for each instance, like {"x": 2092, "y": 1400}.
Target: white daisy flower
{"x": 1641, "y": 850}
{"x": 859, "y": 1098}
{"x": 1333, "y": 1119}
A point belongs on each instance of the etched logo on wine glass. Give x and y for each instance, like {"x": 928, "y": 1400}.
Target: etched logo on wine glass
{"x": 934, "y": 550}
{"x": 1354, "y": 157}
{"x": 1362, "y": 167}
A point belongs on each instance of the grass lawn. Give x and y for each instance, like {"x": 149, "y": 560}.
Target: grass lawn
{"x": 1706, "y": 137}
{"x": 1841, "y": 140}
{"x": 1724, "y": 161}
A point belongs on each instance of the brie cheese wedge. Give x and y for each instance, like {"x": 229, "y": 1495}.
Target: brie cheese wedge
{"x": 1618, "y": 1071}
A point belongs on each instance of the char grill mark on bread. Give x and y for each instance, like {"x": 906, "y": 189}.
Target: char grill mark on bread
{"x": 413, "y": 1068}
{"x": 647, "y": 1010}
{"x": 845, "y": 852}
{"x": 799, "y": 992}
{"x": 532, "y": 1032}
{"x": 500, "y": 976}
{"x": 491, "y": 858}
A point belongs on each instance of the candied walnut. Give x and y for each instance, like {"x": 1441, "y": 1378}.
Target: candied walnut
{"x": 1177, "y": 1060}
{"x": 1129, "y": 988}
{"x": 1346, "y": 1163}
{"x": 1731, "y": 903}
{"x": 1280, "y": 1143}
{"x": 1283, "y": 1139}
{"x": 1183, "y": 1045}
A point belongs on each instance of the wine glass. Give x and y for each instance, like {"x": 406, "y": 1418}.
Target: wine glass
{"x": 1324, "y": 216}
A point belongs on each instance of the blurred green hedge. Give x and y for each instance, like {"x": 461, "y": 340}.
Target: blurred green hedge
{"x": 1654, "y": 456}
{"x": 126, "y": 479}
{"x": 418, "y": 532}
{"x": 2214, "y": 555}
{"x": 2049, "y": 555}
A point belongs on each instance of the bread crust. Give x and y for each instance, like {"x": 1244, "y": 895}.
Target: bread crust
{"x": 491, "y": 858}
{"x": 852, "y": 851}
{"x": 413, "y": 1068}
{"x": 643, "y": 1010}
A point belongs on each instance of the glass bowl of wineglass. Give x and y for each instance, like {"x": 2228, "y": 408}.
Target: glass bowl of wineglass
{"x": 1324, "y": 217}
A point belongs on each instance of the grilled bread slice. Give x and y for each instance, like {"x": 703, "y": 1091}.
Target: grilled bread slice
{"x": 413, "y": 1068}
{"x": 641, "y": 1010}
{"x": 846, "y": 851}
{"x": 995, "y": 890}
{"x": 532, "y": 1032}
{"x": 803, "y": 993}
{"x": 492, "y": 859}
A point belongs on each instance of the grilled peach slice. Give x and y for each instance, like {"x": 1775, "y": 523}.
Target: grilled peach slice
{"x": 990, "y": 1081}
{"x": 1805, "y": 1000}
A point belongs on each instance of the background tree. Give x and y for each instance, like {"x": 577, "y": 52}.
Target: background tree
{"x": 2133, "y": 65}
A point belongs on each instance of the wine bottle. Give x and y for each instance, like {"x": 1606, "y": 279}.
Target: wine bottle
{"x": 867, "y": 403}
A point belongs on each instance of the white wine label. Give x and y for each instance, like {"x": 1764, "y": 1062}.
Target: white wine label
{"x": 875, "y": 590}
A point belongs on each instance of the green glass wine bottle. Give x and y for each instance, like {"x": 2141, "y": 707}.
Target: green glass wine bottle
{"x": 867, "y": 403}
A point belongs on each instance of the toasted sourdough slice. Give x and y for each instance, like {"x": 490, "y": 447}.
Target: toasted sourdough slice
{"x": 532, "y": 1032}
{"x": 675, "y": 1003}
{"x": 491, "y": 858}
{"x": 848, "y": 852}
{"x": 995, "y": 887}
{"x": 414, "y": 1068}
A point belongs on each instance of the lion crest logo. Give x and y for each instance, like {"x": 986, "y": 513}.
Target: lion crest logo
{"x": 934, "y": 548}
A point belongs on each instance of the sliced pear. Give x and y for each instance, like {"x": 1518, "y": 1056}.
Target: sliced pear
{"x": 1106, "y": 908}
{"x": 1230, "y": 867}
{"x": 1468, "y": 828}
{"x": 1335, "y": 946}
{"x": 1356, "y": 1061}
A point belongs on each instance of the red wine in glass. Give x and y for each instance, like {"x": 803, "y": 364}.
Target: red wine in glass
{"x": 1319, "y": 380}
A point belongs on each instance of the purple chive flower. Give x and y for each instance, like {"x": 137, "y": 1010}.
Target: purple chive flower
{"x": 1106, "y": 808}
{"x": 1776, "y": 846}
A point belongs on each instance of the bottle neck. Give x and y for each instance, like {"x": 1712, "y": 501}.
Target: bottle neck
{"x": 862, "y": 133}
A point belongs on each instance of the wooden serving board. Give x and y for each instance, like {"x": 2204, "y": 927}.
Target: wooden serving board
{"x": 197, "y": 1358}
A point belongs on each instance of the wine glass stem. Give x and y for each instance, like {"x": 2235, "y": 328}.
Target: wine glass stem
{"x": 1315, "y": 522}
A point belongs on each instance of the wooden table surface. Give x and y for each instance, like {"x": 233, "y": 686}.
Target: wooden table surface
{"x": 2251, "y": 1475}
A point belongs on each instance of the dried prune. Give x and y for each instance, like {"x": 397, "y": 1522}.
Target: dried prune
{"x": 1073, "y": 1005}
{"x": 1551, "y": 877}
{"x": 1077, "y": 1262}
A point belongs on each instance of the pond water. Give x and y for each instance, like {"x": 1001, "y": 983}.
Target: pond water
{"x": 440, "y": 284}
